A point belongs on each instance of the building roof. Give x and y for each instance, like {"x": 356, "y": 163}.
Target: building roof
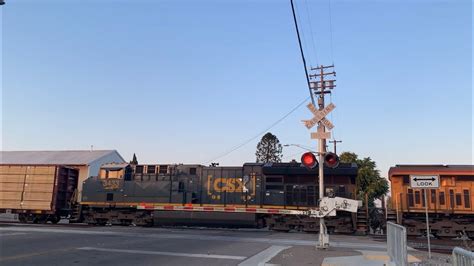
{"x": 114, "y": 166}
{"x": 408, "y": 169}
{"x": 67, "y": 157}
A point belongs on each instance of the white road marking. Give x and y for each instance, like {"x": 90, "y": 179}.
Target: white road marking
{"x": 162, "y": 235}
{"x": 163, "y": 253}
{"x": 261, "y": 258}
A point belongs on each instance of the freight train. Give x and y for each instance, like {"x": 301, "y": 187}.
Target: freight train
{"x": 276, "y": 195}
{"x": 450, "y": 209}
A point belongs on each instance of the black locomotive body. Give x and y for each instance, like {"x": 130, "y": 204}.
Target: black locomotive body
{"x": 113, "y": 195}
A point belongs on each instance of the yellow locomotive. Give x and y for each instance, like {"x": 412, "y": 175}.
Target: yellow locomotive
{"x": 450, "y": 207}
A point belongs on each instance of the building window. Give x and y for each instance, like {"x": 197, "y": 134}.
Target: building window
{"x": 410, "y": 198}
{"x": 441, "y": 198}
{"x": 139, "y": 169}
{"x": 417, "y": 197}
{"x": 423, "y": 198}
{"x": 151, "y": 169}
{"x": 406, "y": 179}
{"x": 181, "y": 186}
{"x": 467, "y": 199}
{"x": 458, "y": 199}
{"x": 110, "y": 196}
{"x": 128, "y": 173}
{"x": 163, "y": 169}
{"x": 433, "y": 196}
{"x": 451, "y": 197}
{"x": 192, "y": 171}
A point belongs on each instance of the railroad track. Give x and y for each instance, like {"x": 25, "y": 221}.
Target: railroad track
{"x": 46, "y": 224}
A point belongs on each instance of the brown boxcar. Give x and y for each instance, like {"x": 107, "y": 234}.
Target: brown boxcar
{"x": 37, "y": 193}
{"x": 450, "y": 207}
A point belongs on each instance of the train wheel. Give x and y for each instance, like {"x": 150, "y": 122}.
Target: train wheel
{"x": 470, "y": 234}
{"x": 102, "y": 222}
{"x": 55, "y": 219}
{"x": 42, "y": 219}
{"x": 331, "y": 230}
{"x": 413, "y": 231}
{"x": 260, "y": 223}
{"x": 22, "y": 218}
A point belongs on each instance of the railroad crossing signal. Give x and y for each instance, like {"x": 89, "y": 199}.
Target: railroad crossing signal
{"x": 331, "y": 160}
{"x": 309, "y": 160}
{"x": 424, "y": 181}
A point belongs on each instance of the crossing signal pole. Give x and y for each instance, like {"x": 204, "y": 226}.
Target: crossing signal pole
{"x": 320, "y": 87}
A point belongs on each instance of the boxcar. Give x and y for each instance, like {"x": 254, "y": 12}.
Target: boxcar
{"x": 37, "y": 193}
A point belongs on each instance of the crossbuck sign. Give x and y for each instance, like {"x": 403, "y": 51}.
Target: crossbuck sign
{"x": 320, "y": 116}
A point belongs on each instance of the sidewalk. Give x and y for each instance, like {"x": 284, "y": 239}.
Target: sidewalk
{"x": 334, "y": 256}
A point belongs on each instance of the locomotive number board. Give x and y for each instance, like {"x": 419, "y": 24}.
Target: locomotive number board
{"x": 424, "y": 181}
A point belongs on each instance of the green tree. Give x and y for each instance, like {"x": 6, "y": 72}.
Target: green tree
{"x": 368, "y": 177}
{"x": 134, "y": 160}
{"x": 269, "y": 149}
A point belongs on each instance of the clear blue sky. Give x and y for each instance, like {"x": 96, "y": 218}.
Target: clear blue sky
{"x": 185, "y": 81}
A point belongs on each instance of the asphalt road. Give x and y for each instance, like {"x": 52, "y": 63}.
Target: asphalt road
{"x": 85, "y": 245}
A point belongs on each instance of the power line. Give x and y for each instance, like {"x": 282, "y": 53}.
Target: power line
{"x": 312, "y": 35}
{"x": 330, "y": 31}
{"x": 301, "y": 51}
{"x": 332, "y": 117}
{"x": 259, "y": 134}
{"x": 304, "y": 40}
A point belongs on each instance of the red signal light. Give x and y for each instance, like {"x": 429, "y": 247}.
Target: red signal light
{"x": 331, "y": 160}
{"x": 309, "y": 160}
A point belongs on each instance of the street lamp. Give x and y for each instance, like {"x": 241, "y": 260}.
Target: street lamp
{"x": 300, "y": 146}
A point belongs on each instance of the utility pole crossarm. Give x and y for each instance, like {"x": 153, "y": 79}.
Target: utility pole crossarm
{"x": 322, "y": 67}
{"x": 323, "y": 74}
{"x": 335, "y": 142}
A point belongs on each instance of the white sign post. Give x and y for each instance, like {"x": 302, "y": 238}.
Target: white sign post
{"x": 425, "y": 182}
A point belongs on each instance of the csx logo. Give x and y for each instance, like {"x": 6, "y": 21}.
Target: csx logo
{"x": 228, "y": 184}
{"x": 231, "y": 184}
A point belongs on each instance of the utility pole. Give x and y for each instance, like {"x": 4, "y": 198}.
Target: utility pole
{"x": 321, "y": 87}
{"x": 335, "y": 142}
